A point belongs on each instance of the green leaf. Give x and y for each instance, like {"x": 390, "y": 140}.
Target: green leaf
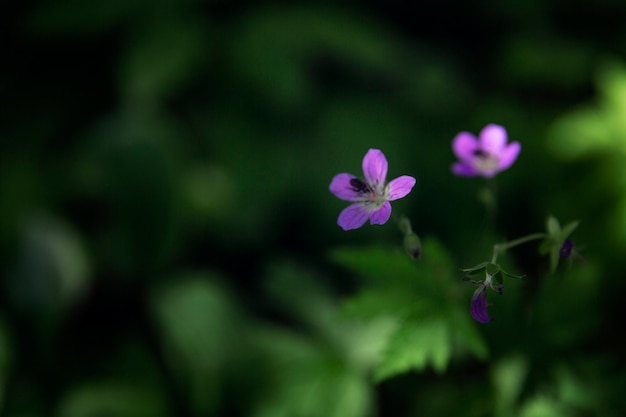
{"x": 201, "y": 330}
{"x": 162, "y": 57}
{"x": 391, "y": 266}
{"x": 554, "y": 257}
{"x": 508, "y": 376}
{"x": 120, "y": 399}
{"x": 53, "y": 269}
{"x": 376, "y": 302}
{"x": 306, "y": 378}
{"x": 414, "y": 346}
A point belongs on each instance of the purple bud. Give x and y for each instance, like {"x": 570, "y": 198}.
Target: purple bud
{"x": 566, "y": 248}
{"x": 478, "y": 306}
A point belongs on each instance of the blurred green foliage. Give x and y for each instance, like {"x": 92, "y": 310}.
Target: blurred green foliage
{"x": 170, "y": 247}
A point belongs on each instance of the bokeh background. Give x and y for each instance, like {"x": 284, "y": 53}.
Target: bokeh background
{"x": 169, "y": 246}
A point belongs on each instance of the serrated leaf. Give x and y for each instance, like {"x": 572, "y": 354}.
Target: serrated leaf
{"x": 414, "y": 346}
{"x": 377, "y": 302}
{"x": 392, "y": 267}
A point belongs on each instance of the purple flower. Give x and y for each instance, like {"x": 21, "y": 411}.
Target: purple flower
{"x": 566, "y": 249}
{"x": 478, "y": 306}
{"x": 371, "y": 197}
{"x": 485, "y": 156}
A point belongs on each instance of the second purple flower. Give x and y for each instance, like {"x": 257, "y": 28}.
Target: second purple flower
{"x": 485, "y": 156}
{"x": 371, "y": 197}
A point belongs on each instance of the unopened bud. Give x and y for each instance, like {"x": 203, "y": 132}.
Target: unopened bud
{"x": 413, "y": 245}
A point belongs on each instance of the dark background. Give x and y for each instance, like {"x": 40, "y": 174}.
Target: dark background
{"x": 166, "y": 225}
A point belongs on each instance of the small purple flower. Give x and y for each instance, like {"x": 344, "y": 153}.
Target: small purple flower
{"x": 371, "y": 197}
{"x": 478, "y": 306}
{"x": 485, "y": 156}
{"x": 566, "y": 248}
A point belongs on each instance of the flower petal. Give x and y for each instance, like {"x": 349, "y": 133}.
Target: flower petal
{"x": 464, "y": 169}
{"x": 400, "y": 187}
{"x": 375, "y": 167}
{"x": 464, "y": 145}
{"x": 340, "y": 186}
{"x": 353, "y": 217}
{"x": 493, "y": 139}
{"x": 478, "y": 306}
{"x": 381, "y": 215}
{"x": 509, "y": 155}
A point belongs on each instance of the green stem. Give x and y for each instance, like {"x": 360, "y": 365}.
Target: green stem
{"x": 503, "y": 247}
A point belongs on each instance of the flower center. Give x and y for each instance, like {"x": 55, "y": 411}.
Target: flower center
{"x": 484, "y": 161}
{"x": 369, "y": 194}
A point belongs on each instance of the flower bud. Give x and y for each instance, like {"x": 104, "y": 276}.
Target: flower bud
{"x": 413, "y": 245}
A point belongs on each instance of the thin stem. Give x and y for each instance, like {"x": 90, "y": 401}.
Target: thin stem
{"x": 503, "y": 247}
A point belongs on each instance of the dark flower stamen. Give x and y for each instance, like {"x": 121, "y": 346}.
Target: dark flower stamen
{"x": 359, "y": 186}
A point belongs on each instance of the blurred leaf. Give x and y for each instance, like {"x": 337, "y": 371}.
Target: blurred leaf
{"x": 508, "y": 377}
{"x": 308, "y": 379}
{"x": 544, "y": 406}
{"x": 598, "y": 128}
{"x": 162, "y": 56}
{"x": 382, "y": 301}
{"x": 553, "y": 227}
{"x": 52, "y": 270}
{"x": 416, "y": 344}
{"x": 129, "y": 164}
{"x": 301, "y": 294}
{"x": 393, "y": 267}
{"x": 388, "y": 266}
{"x": 214, "y": 205}
{"x": 112, "y": 399}
{"x": 273, "y": 48}
{"x": 199, "y": 326}
{"x": 418, "y": 296}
